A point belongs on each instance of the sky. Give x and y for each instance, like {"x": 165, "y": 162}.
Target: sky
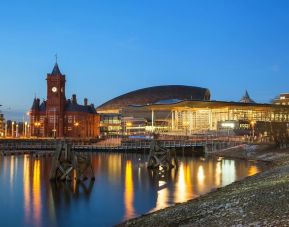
{"x": 107, "y": 48}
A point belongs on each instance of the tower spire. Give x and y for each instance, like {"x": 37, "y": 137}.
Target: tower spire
{"x": 246, "y": 98}
{"x": 56, "y": 70}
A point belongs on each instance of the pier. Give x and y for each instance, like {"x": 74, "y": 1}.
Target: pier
{"x": 188, "y": 147}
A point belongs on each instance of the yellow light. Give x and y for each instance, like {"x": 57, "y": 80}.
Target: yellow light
{"x": 128, "y": 124}
{"x": 76, "y": 124}
{"x": 129, "y": 191}
{"x": 186, "y": 123}
{"x": 36, "y": 191}
{"x": 37, "y": 124}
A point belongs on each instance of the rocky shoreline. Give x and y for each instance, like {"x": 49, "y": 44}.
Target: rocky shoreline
{"x": 259, "y": 200}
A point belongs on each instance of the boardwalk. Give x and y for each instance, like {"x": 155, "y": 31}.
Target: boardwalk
{"x": 40, "y": 146}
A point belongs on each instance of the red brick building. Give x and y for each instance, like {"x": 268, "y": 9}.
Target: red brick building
{"x": 61, "y": 117}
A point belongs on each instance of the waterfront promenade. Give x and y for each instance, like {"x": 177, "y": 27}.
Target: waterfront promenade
{"x": 184, "y": 145}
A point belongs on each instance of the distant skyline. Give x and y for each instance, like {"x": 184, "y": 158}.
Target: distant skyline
{"x": 107, "y": 48}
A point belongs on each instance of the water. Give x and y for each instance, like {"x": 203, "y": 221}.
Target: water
{"x": 123, "y": 189}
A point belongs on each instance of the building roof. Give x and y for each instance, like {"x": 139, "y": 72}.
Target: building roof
{"x": 42, "y": 107}
{"x": 156, "y": 94}
{"x": 197, "y": 104}
{"x": 56, "y": 70}
{"x": 74, "y": 107}
{"x": 69, "y": 107}
{"x": 246, "y": 98}
{"x": 35, "y": 104}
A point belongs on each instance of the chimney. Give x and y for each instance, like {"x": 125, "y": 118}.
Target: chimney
{"x": 74, "y": 101}
{"x": 85, "y": 101}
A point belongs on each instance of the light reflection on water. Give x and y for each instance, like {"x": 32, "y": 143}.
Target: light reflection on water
{"x": 123, "y": 189}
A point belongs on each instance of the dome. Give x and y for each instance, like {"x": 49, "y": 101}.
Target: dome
{"x": 156, "y": 94}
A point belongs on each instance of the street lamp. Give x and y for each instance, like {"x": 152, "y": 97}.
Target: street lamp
{"x": 37, "y": 124}
{"x": 25, "y": 129}
{"x": 253, "y": 123}
{"x": 17, "y": 130}
{"x": 76, "y": 124}
{"x": 12, "y": 129}
{"x": 6, "y": 129}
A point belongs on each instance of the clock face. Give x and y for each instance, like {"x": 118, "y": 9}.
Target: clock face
{"x": 54, "y": 89}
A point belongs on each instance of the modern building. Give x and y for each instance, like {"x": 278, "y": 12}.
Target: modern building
{"x": 194, "y": 113}
{"x": 282, "y": 99}
{"x": 116, "y": 112}
{"x": 60, "y": 117}
{"x": 202, "y": 116}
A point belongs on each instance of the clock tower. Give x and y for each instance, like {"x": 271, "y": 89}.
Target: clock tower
{"x": 55, "y": 102}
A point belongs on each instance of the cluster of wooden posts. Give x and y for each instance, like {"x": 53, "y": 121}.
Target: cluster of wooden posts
{"x": 68, "y": 165}
{"x": 161, "y": 157}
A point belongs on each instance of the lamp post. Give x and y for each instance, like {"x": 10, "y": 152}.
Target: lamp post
{"x": 25, "y": 129}
{"x": 12, "y": 129}
{"x": 76, "y": 126}
{"x": 28, "y": 130}
{"x": 6, "y": 129}
{"x": 37, "y": 125}
{"x": 17, "y": 130}
{"x": 253, "y": 123}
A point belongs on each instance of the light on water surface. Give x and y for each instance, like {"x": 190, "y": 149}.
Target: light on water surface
{"x": 123, "y": 188}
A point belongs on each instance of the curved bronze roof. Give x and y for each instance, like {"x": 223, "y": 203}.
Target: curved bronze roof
{"x": 155, "y": 94}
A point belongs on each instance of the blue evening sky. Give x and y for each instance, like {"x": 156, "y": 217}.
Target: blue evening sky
{"x": 107, "y": 48}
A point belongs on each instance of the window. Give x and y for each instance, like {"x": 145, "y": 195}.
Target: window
{"x": 69, "y": 119}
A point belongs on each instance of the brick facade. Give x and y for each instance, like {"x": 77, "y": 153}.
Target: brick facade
{"x": 61, "y": 117}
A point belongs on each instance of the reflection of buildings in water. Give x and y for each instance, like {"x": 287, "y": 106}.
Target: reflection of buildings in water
{"x": 128, "y": 192}
{"x": 253, "y": 170}
{"x": 201, "y": 178}
{"x": 218, "y": 173}
{"x": 162, "y": 197}
{"x": 36, "y": 177}
{"x": 161, "y": 182}
{"x": 12, "y": 168}
{"x": 114, "y": 167}
{"x": 5, "y": 167}
{"x": 244, "y": 169}
{"x": 26, "y": 187}
{"x": 228, "y": 172}
{"x": 36, "y": 192}
{"x": 183, "y": 185}
{"x": 96, "y": 164}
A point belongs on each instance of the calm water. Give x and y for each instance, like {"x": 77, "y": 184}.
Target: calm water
{"x": 123, "y": 189}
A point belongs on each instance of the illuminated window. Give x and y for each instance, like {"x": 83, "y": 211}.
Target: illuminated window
{"x": 69, "y": 119}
